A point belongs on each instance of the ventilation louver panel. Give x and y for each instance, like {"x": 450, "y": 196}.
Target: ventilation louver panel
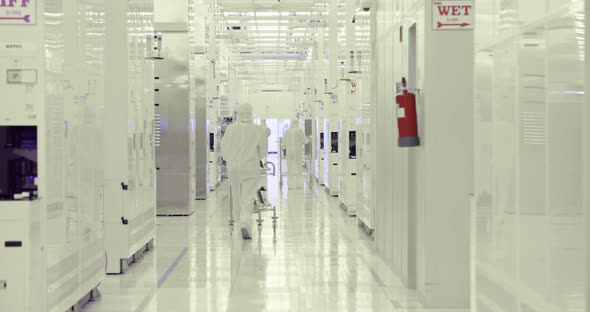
{"x": 157, "y": 129}
{"x": 534, "y": 128}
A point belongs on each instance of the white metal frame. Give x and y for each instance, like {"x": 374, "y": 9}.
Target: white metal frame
{"x": 261, "y": 203}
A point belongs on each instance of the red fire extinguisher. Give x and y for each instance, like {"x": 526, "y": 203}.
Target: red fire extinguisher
{"x": 407, "y": 118}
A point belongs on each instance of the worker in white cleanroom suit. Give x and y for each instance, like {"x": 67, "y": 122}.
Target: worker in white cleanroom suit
{"x": 267, "y": 133}
{"x": 243, "y": 146}
{"x": 294, "y": 141}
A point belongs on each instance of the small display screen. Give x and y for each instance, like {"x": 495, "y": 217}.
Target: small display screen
{"x": 21, "y": 76}
{"x": 322, "y": 141}
{"x": 212, "y": 142}
{"x": 18, "y": 161}
{"x": 352, "y": 145}
{"x": 334, "y": 142}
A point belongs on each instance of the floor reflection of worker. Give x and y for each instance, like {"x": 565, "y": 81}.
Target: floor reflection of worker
{"x": 243, "y": 146}
{"x": 294, "y": 141}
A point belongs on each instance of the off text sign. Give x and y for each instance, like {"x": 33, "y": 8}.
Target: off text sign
{"x": 452, "y": 14}
{"x": 18, "y": 12}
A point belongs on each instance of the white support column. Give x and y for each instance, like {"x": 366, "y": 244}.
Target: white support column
{"x": 586, "y": 153}
{"x": 212, "y": 55}
{"x": 199, "y": 84}
{"x": 321, "y": 64}
{"x": 116, "y": 153}
{"x": 446, "y": 165}
{"x": 333, "y": 45}
{"x": 350, "y": 32}
{"x": 319, "y": 96}
{"x": 332, "y": 109}
{"x": 213, "y": 95}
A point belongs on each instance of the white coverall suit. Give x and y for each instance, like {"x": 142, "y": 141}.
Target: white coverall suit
{"x": 243, "y": 146}
{"x": 294, "y": 140}
{"x": 267, "y": 133}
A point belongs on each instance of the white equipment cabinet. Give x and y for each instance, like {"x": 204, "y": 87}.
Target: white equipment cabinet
{"x": 326, "y": 155}
{"x": 365, "y": 207}
{"x": 130, "y": 206}
{"x": 348, "y": 99}
{"x": 213, "y": 107}
{"x": 51, "y": 166}
{"x": 333, "y": 157}
{"x": 182, "y": 158}
{"x": 214, "y": 137}
{"x": 320, "y": 153}
{"x": 348, "y": 170}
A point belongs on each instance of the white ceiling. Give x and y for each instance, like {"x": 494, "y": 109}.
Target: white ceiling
{"x": 269, "y": 41}
{"x": 275, "y": 42}
{"x": 268, "y": 3}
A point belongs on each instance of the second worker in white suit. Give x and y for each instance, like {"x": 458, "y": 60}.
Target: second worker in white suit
{"x": 243, "y": 146}
{"x": 294, "y": 141}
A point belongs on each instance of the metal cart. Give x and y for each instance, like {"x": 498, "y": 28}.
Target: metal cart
{"x": 260, "y": 201}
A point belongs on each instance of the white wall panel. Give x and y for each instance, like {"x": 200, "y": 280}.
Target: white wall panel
{"x": 62, "y": 257}
{"x": 172, "y": 15}
{"x": 416, "y": 237}
{"x": 530, "y": 225}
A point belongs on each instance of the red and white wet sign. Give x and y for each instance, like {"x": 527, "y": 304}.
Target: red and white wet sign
{"x": 452, "y": 14}
{"x": 18, "y": 12}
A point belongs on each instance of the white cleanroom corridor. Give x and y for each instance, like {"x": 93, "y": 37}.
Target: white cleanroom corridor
{"x": 294, "y": 155}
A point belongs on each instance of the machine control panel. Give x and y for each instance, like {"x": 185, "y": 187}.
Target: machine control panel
{"x": 212, "y": 142}
{"x": 21, "y": 76}
{"x": 334, "y": 142}
{"x": 154, "y": 46}
{"x": 18, "y": 164}
{"x": 352, "y": 145}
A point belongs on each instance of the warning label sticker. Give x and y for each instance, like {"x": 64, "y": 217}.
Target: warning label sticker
{"x": 452, "y": 14}
{"x": 18, "y": 12}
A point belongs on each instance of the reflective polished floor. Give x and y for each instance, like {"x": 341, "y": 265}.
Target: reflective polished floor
{"x": 319, "y": 260}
